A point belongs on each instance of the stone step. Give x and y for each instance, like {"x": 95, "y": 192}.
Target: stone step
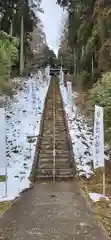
{"x": 50, "y": 110}
{"x": 57, "y": 131}
{"x": 57, "y": 123}
{"x": 49, "y": 152}
{"x": 58, "y": 120}
{"x": 58, "y": 147}
{"x": 58, "y": 166}
{"x": 57, "y": 160}
{"x": 49, "y": 140}
{"x": 58, "y": 171}
{"x": 59, "y": 177}
{"x": 58, "y": 114}
{"x": 50, "y": 126}
{"x": 61, "y": 135}
{"x": 57, "y": 142}
{"x": 48, "y": 118}
{"x": 57, "y": 139}
{"x": 51, "y": 132}
{"x": 58, "y": 136}
{"x": 57, "y": 128}
{"x": 57, "y": 155}
{"x": 41, "y": 178}
{"x": 63, "y": 168}
{"x": 64, "y": 177}
{"x": 50, "y": 129}
{"x": 61, "y": 172}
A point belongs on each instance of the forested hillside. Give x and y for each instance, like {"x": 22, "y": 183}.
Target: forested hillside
{"x": 22, "y": 39}
{"x": 10, "y": 20}
{"x": 87, "y": 33}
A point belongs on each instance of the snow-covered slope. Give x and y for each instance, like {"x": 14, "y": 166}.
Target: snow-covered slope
{"x": 81, "y": 135}
{"x": 23, "y": 116}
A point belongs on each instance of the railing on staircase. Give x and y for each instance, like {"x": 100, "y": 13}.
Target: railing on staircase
{"x": 54, "y": 151}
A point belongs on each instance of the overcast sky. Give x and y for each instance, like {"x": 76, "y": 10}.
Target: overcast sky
{"x": 52, "y": 21}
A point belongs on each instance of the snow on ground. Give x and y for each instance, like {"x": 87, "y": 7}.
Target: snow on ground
{"x": 23, "y": 116}
{"x": 95, "y": 197}
{"x": 81, "y": 135}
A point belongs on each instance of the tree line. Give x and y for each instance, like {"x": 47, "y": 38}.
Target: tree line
{"x": 87, "y": 48}
{"x": 89, "y": 35}
{"x": 11, "y": 13}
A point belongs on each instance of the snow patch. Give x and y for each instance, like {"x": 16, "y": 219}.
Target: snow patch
{"x": 23, "y": 116}
{"x": 95, "y": 197}
{"x": 81, "y": 136}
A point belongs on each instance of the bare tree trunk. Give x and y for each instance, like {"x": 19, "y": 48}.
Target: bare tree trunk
{"x": 83, "y": 50}
{"x": 11, "y": 28}
{"x": 21, "y": 46}
{"x": 92, "y": 66}
{"x": 74, "y": 61}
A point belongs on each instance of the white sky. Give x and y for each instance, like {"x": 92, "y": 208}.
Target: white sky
{"x": 51, "y": 19}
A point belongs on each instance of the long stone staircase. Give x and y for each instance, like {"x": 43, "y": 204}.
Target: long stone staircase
{"x": 54, "y": 210}
{"x": 54, "y": 128}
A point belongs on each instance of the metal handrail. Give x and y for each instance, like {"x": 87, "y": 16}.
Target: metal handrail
{"x": 54, "y": 151}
